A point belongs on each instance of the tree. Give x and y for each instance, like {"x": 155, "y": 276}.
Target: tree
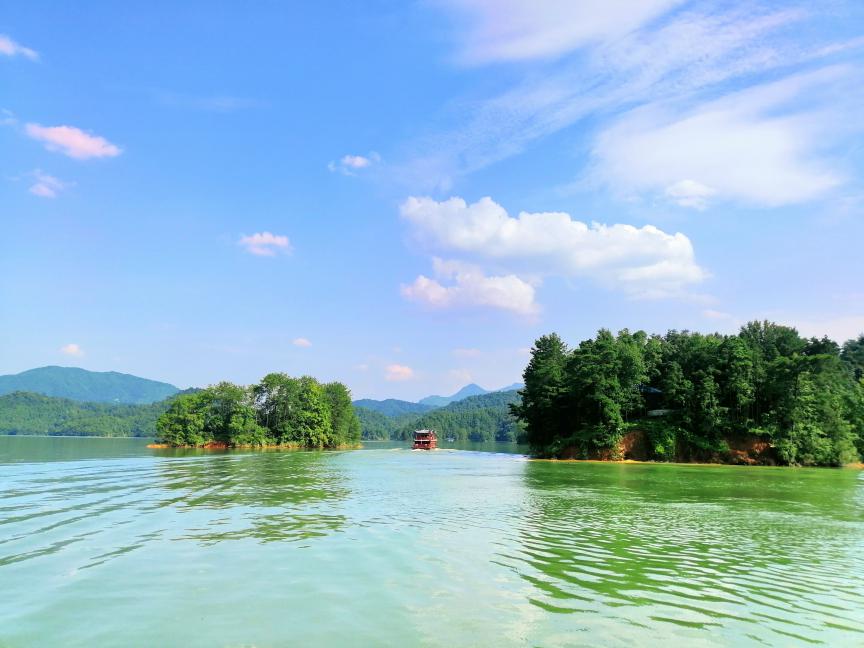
{"x": 544, "y": 381}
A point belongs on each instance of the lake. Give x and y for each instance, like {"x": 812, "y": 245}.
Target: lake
{"x": 104, "y": 542}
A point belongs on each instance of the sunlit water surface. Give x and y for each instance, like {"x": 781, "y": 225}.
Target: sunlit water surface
{"x": 106, "y": 543}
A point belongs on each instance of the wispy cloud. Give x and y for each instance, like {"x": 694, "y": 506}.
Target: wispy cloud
{"x": 352, "y": 164}
{"x": 9, "y": 47}
{"x": 72, "y": 142}
{"x": 514, "y": 30}
{"x": 398, "y": 373}
{"x": 610, "y": 58}
{"x": 47, "y": 186}
{"x": 72, "y": 349}
{"x": 265, "y": 244}
{"x": 301, "y": 342}
{"x": 760, "y": 146}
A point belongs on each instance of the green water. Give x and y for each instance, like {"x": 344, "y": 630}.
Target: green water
{"x": 106, "y": 543}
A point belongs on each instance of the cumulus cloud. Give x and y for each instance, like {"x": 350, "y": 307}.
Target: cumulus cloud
{"x": 758, "y": 146}
{"x": 72, "y": 142}
{"x": 467, "y": 286}
{"x": 397, "y": 372}
{"x": 514, "y": 30}
{"x": 351, "y": 164}
{"x": 9, "y": 47}
{"x": 265, "y": 244}
{"x": 301, "y": 342}
{"x": 642, "y": 260}
{"x": 72, "y": 350}
{"x": 47, "y": 186}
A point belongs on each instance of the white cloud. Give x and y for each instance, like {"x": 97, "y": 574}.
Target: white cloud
{"x": 72, "y": 350}
{"x": 515, "y": 30}
{"x": 759, "y": 146}
{"x": 469, "y": 287}
{"x": 644, "y": 260}
{"x": 301, "y": 342}
{"x": 689, "y": 193}
{"x": 397, "y": 373}
{"x": 351, "y": 164}
{"x": 9, "y": 47}
{"x": 265, "y": 244}
{"x": 72, "y": 142}
{"x": 47, "y": 186}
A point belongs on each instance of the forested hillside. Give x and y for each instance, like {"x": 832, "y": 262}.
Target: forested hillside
{"x": 25, "y": 413}
{"x": 392, "y": 407}
{"x": 476, "y": 418}
{"x": 765, "y": 395}
{"x": 89, "y": 386}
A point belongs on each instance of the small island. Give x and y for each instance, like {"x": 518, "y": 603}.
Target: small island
{"x": 279, "y": 411}
{"x": 763, "y": 396}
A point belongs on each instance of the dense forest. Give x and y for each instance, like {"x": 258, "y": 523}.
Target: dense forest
{"x": 477, "y": 418}
{"x": 278, "y": 411}
{"x": 765, "y": 395}
{"x": 25, "y": 413}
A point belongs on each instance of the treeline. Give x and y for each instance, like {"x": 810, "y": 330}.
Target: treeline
{"x": 278, "y": 411}
{"x": 692, "y": 395}
{"x": 26, "y": 413}
{"x": 477, "y": 418}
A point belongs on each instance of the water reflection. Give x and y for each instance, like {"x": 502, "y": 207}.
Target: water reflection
{"x": 280, "y": 495}
{"x": 750, "y": 555}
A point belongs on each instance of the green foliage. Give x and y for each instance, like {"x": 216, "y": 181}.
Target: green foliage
{"x": 375, "y": 425}
{"x": 539, "y": 410}
{"x": 34, "y": 414}
{"x": 477, "y": 418}
{"x": 89, "y": 386}
{"x": 804, "y": 397}
{"x": 279, "y": 410}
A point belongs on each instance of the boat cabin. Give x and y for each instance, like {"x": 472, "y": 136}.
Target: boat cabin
{"x": 425, "y": 440}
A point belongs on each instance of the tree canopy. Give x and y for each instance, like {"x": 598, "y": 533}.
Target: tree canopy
{"x": 277, "y": 411}
{"x": 694, "y": 394}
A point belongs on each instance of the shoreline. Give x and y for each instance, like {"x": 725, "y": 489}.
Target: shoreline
{"x": 854, "y": 466}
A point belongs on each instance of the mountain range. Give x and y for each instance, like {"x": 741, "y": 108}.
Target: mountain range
{"x": 91, "y": 386}
{"x": 393, "y": 407}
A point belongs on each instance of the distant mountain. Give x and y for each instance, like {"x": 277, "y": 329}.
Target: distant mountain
{"x": 485, "y": 417}
{"x": 392, "y": 407}
{"x": 91, "y": 386}
{"x": 513, "y": 387}
{"x": 465, "y": 392}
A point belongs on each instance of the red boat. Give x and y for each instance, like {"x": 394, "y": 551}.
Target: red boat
{"x": 425, "y": 440}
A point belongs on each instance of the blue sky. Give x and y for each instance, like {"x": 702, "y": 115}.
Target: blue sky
{"x": 403, "y": 196}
